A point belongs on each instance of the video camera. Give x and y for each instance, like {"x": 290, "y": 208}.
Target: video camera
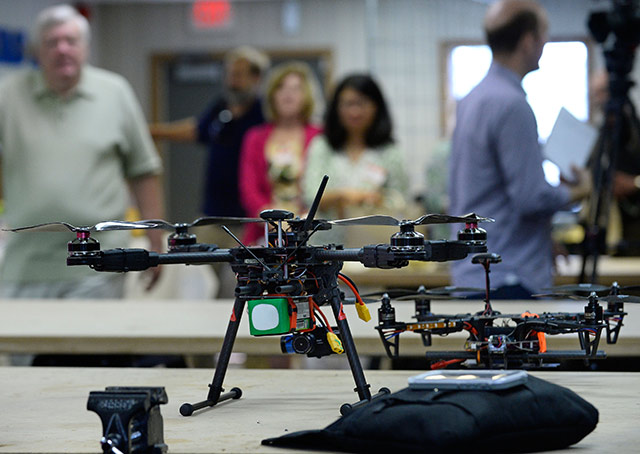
{"x": 623, "y": 21}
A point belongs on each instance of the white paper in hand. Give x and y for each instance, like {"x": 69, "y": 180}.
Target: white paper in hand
{"x": 570, "y": 143}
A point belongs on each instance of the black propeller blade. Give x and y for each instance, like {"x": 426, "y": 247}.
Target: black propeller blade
{"x": 574, "y": 288}
{"x": 393, "y": 293}
{"x": 561, "y": 296}
{"x": 453, "y": 289}
{"x": 427, "y": 297}
{"x": 605, "y": 299}
{"x": 577, "y": 288}
{"x": 402, "y": 294}
{"x": 620, "y": 299}
{"x": 353, "y": 300}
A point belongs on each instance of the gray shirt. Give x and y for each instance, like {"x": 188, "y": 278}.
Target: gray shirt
{"x": 495, "y": 170}
{"x": 67, "y": 159}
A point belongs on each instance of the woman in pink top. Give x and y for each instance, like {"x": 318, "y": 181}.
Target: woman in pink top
{"x": 272, "y": 159}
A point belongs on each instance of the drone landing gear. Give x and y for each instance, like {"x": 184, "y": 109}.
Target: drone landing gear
{"x": 589, "y": 342}
{"x": 215, "y": 388}
{"x": 216, "y": 395}
{"x": 614, "y": 321}
{"x": 362, "y": 387}
{"x": 613, "y": 329}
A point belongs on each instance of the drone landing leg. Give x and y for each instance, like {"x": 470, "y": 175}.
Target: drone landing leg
{"x": 426, "y": 338}
{"x": 391, "y": 345}
{"x": 613, "y": 330}
{"x": 215, "y": 388}
{"x": 362, "y": 387}
{"x": 589, "y": 346}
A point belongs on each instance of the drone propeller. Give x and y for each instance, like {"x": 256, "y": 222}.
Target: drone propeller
{"x": 353, "y": 300}
{"x": 453, "y": 289}
{"x": 402, "y": 294}
{"x": 427, "y": 297}
{"x": 620, "y": 299}
{"x": 392, "y": 293}
{"x": 379, "y": 219}
{"x": 207, "y": 220}
{"x": 571, "y": 288}
{"x": 578, "y": 288}
{"x": 605, "y": 299}
{"x": 99, "y": 227}
{"x": 562, "y": 296}
{"x": 135, "y": 225}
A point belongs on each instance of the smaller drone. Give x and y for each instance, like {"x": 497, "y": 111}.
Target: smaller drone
{"x": 505, "y": 340}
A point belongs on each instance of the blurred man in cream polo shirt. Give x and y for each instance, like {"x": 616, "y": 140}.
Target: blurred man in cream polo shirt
{"x": 74, "y": 147}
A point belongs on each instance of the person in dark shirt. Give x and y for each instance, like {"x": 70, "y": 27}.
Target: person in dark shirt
{"x": 223, "y": 134}
{"x": 221, "y": 127}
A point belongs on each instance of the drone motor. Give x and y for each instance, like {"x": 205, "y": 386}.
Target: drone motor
{"x": 593, "y": 313}
{"x": 474, "y": 236}
{"x": 407, "y": 237}
{"x": 181, "y": 238}
{"x": 83, "y": 244}
{"x": 386, "y": 312}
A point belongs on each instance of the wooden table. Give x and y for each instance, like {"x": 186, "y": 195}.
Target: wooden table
{"x": 624, "y": 270}
{"x": 44, "y": 409}
{"x": 188, "y": 327}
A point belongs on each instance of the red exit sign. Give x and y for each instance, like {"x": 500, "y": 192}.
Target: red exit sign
{"x": 211, "y": 14}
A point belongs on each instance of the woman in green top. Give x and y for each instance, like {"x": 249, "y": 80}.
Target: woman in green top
{"x": 365, "y": 167}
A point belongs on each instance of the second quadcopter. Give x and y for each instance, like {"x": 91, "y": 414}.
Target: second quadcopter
{"x": 497, "y": 340}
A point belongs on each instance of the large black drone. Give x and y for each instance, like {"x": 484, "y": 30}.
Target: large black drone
{"x": 499, "y": 340}
{"x": 285, "y": 283}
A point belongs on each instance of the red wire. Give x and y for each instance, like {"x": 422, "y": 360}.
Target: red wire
{"x": 326, "y": 322}
{"x": 353, "y": 289}
{"x": 443, "y": 364}
{"x": 469, "y": 327}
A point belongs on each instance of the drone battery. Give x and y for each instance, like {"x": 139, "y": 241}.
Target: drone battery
{"x": 269, "y": 316}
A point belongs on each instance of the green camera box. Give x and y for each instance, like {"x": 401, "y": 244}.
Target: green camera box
{"x": 269, "y": 316}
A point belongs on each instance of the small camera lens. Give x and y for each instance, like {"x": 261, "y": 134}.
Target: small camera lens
{"x": 301, "y": 344}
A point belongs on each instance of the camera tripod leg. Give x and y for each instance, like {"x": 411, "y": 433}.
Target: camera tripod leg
{"x": 362, "y": 387}
{"x": 215, "y": 387}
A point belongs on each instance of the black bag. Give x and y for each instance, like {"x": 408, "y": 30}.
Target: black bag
{"x": 534, "y": 416}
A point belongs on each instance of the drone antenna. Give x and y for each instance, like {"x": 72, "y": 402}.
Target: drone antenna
{"x": 316, "y": 203}
{"x": 302, "y": 243}
{"x": 487, "y": 308}
{"x": 224, "y": 227}
{"x": 485, "y": 260}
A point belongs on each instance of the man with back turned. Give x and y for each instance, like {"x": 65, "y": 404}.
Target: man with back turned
{"x": 495, "y": 167}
